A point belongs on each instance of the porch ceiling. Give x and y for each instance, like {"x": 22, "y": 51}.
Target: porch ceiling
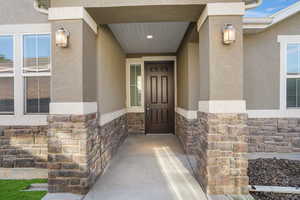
{"x": 133, "y": 36}
{"x": 161, "y": 13}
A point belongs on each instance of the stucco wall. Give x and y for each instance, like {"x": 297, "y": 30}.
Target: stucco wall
{"x": 111, "y": 72}
{"x": 89, "y": 64}
{"x": 20, "y": 12}
{"x": 188, "y": 70}
{"x": 262, "y": 64}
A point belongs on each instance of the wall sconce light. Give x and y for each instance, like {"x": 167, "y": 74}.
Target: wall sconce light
{"x": 62, "y": 37}
{"x": 229, "y": 34}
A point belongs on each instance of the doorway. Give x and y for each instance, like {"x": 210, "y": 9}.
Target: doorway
{"x": 159, "y": 97}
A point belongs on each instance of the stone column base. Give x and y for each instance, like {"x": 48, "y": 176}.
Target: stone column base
{"x": 222, "y": 149}
{"x": 71, "y": 150}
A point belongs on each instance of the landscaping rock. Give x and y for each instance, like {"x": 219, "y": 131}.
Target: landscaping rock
{"x": 274, "y": 172}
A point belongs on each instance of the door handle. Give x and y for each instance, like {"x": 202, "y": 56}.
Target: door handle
{"x": 147, "y": 107}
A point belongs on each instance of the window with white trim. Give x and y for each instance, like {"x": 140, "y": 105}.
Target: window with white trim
{"x": 293, "y": 75}
{"x": 36, "y": 72}
{"x": 135, "y": 85}
{"x": 6, "y": 74}
{"x": 25, "y": 71}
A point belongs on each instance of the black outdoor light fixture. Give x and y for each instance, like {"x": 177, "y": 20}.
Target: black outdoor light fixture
{"x": 229, "y": 34}
{"x": 62, "y": 37}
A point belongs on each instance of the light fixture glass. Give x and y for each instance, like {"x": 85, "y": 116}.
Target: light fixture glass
{"x": 229, "y": 34}
{"x": 62, "y": 37}
{"x": 149, "y": 36}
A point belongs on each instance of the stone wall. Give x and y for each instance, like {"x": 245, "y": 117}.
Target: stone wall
{"x": 136, "y": 122}
{"x": 222, "y": 148}
{"x": 274, "y": 135}
{"x": 23, "y": 146}
{"x": 79, "y": 150}
{"x": 186, "y": 130}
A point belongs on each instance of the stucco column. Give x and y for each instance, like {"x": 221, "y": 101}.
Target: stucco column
{"x": 73, "y": 145}
{"x": 222, "y": 130}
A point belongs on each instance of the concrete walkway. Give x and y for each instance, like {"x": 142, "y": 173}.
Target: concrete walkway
{"x": 147, "y": 168}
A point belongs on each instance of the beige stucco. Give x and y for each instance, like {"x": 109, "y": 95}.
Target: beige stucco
{"x": 73, "y": 68}
{"x": 111, "y": 72}
{"x": 20, "y": 12}
{"x": 188, "y": 71}
{"x": 262, "y": 64}
{"x": 221, "y": 66}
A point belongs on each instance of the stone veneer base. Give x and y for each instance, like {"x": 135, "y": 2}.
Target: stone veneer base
{"x": 79, "y": 150}
{"x": 23, "y": 146}
{"x": 136, "y": 122}
{"x": 222, "y": 149}
{"x": 280, "y": 135}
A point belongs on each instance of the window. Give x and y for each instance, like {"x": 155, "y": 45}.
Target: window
{"x": 135, "y": 85}
{"x": 6, "y": 75}
{"x": 36, "y": 72}
{"x": 293, "y": 75}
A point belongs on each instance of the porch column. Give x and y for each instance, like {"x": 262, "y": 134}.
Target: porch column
{"x": 73, "y": 160}
{"x": 222, "y": 114}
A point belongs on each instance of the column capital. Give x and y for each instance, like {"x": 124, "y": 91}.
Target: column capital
{"x": 67, "y": 13}
{"x": 218, "y": 9}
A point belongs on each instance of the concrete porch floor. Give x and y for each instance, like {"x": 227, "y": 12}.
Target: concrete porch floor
{"x": 146, "y": 168}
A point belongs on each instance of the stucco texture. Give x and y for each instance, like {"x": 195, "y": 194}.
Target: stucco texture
{"x": 262, "y": 64}
{"x": 74, "y": 68}
{"x": 20, "y": 12}
{"x": 221, "y": 66}
{"x": 188, "y": 70}
{"x": 111, "y": 72}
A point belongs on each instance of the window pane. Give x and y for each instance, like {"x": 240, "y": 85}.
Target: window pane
{"x": 44, "y": 53}
{"x": 291, "y": 92}
{"x": 6, "y": 54}
{"x": 37, "y": 53}
{"x": 135, "y": 85}
{"x": 293, "y": 62}
{"x": 7, "y": 95}
{"x": 37, "y": 94}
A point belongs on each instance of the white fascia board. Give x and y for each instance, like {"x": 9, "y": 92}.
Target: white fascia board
{"x": 251, "y": 23}
{"x": 73, "y": 108}
{"x": 68, "y": 13}
{"x": 219, "y": 9}
{"x": 223, "y": 106}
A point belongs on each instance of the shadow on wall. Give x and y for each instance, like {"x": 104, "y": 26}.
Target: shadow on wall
{"x": 22, "y": 147}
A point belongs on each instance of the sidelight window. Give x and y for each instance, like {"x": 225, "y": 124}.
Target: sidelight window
{"x": 135, "y": 85}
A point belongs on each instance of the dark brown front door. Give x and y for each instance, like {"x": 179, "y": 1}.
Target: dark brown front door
{"x": 159, "y": 97}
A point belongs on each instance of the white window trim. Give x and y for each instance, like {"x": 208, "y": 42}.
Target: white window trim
{"x": 134, "y": 109}
{"x": 141, "y": 61}
{"x": 284, "y": 40}
{"x": 19, "y": 118}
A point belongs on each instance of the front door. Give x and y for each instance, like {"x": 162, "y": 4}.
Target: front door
{"x": 159, "y": 97}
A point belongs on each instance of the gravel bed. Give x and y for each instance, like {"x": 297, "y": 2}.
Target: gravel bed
{"x": 274, "y": 196}
{"x": 274, "y": 172}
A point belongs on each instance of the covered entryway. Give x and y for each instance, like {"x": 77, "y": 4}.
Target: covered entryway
{"x": 152, "y": 167}
{"x": 104, "y": 102}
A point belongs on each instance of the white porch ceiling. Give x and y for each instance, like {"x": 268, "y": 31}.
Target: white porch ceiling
{"x": 133, "y": 36}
